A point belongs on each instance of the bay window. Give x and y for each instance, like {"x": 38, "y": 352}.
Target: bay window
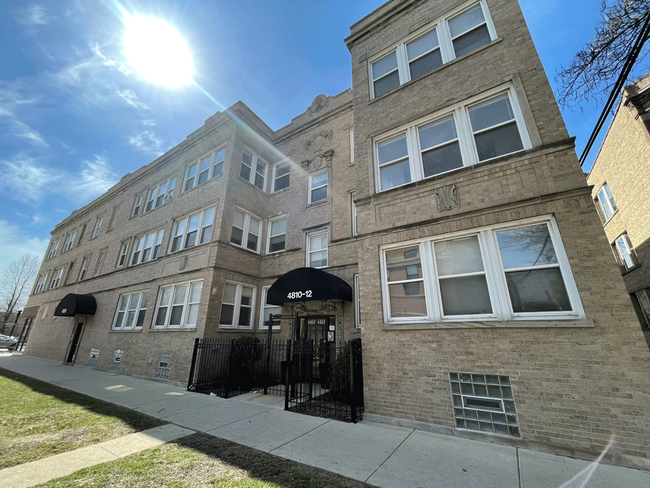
{"x": 178, "y": 305}
{"x": 253, "y": 169}
{"x": 245, "y": 230}
{"x": 317, "y": 250}
{"x": 237, "y": 305}
{"x": 192, "y": 230}
{"x": 209, "y": 166}
{"x": 478, "y": 130}
{"x": 491, "y": 274}
{"x": 281, "y": 174}
{"x": 147, "y": 247}
{"x": 160, "y": 194}
{"x": 130, "y": 311}
{"x": 277, "y": 235}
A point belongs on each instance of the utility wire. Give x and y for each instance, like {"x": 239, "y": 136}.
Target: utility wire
{"x": 613, "y": 96}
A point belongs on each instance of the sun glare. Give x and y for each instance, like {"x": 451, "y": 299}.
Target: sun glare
{"x": 157, "y": 51}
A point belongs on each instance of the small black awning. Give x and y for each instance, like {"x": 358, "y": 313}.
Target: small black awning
{"x": 306, "y": 284}
{"x": 73, "y": 304}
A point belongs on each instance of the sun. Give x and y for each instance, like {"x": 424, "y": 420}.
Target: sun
{"x": 157, "y": 51}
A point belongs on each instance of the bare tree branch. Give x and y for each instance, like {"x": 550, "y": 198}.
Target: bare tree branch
{"x": 16, "y": 283}
{"x": 595, "y": 69}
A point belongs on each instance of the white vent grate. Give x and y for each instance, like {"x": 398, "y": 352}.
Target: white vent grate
{"x": 164, "y": 363}
{"x": 484, "y": 402}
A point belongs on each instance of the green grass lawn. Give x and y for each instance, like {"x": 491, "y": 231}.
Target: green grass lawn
{"x": 38, "y": 420}
{"x": 201, "y": 460}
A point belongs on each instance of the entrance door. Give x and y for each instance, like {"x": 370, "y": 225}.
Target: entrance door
{"x": 322, "y": 330}
{"x": 74, "y": 344}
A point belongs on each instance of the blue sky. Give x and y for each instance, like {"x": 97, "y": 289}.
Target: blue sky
{"x": 75, "y": 117}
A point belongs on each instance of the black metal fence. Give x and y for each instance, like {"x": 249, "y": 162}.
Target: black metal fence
{"x": 315, "y": 379}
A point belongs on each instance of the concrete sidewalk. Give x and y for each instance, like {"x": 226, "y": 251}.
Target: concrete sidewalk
{"x": 382, "y": 455}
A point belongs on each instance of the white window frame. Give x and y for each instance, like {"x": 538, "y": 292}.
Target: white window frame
{"x": 84, "y": 267}
{"x": 310, "y": 251}
{"x": 494, "y": 273}
{"x": 445, "y": 44}
{"x": 137, "y": 205}
{"x": 246, "y": 230}
{"x": 121, "y": 323}
{"x": 286, "y": 175}
{"x": 216, "y": 158}
{"x": 270, "y": 234}
{"x": 624, "y": 248}
{"x": 256, "y": 161}
{"x": 187, "y": 304}
{"x": 122, "y": 257}
{"x": 312, "y": 188}
{"x": 140, "y": 245}
{"x": 69, "y": 241}
{"x": 54, "y": 247}
{"x": 40, "y": 283}
{"x": 607, "y": 203}
{"x": 263, "y": 308}
{"x": 465, "y": 136}
{"x": 57, "y": 275}
{"x": 180, "y": 230}
{"x": 160, "y": 194}
{"x": 353, "y": 214}
{"x": 237, "y": 306}
{"x": 351, "y": 146}
{"x": 98, "y": 224}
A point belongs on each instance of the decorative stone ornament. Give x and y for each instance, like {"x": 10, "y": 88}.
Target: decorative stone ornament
{"x": 447, "y": 198}
{"x": 319, "y": 103}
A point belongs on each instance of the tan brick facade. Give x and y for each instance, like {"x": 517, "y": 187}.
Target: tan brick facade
{"x": 574, "y": 364}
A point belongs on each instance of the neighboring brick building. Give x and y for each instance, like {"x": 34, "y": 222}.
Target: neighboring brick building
{"x": 620, "y": 175}
{"x": 446, "y": 194}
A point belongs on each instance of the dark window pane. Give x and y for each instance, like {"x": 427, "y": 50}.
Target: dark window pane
{"x": 465, "y": 296}
{"x": 526, "y": 246}
{"x": 244, "y": 316}
{"x": 227, "y": 312}
{"x": 281, "y": 182}
{"x": 319, "y": 194}
{"x": 425, "y": 64}
{"x": 160, "y": 316}
{"x": 259, "y": 181}
{"x": 470, "y": 41}
{"x": 190, "y": 239}
{"x": 392, "y": 149}
{"x": 386, "y": 84}
{"x": 237, "y": 235}
{"x": 217, "y": 170}
{"x": 245, "y": 172}
{"x": 497, "y": 142}
{"x": 395, "y": 175}
{"x": 384, "y": 65}
{"x": 177, "y": 312}
{"x": 442, "y": 159}
{"x": 206, "y": 234}
{"x": 140, "y": 320}
{"x": 411, "y": 288}
{"x": 540, "y": 290}
{"x": 203, "y": 177}
{"x": 277, "y": 243}
{"x": 252, "y": 242}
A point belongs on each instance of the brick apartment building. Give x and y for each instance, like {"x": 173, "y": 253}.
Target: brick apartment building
{"x": 620, "y": 175}
{"x": 443, "y": 190}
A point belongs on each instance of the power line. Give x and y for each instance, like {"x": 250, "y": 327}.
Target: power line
{"x": 613, "y": 96}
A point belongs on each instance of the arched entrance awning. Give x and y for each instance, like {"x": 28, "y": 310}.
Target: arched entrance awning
{"x": 306, "y": 284}
{"x": 73, "y": 304}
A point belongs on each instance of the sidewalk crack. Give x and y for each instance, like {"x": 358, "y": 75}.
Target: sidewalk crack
{"x": 390, "y": 455}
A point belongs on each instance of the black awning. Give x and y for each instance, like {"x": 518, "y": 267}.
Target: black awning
{"x": 73, "y": 304}
{"x": 306, "y": 284}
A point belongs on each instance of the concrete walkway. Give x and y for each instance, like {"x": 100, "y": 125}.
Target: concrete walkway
{"x": 382, "y": 455}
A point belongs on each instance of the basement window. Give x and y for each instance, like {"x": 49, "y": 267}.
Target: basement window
{"x": 484, "y": 402}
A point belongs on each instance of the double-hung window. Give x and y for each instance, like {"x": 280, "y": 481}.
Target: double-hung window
{"x": 625, "y": 251}
{"x": 209, "y": 166}
{"x": 458, "y": 33}
{"x": 606, "y": 202}
{"x": 69, "y": 241}
{"x": 160, "y": 194}
{"x": 281, "y": 173}
{"x": 137, "y": 205}
{"x": 192, "y": 230}
{"x": 56, "y": 278}
{"x": 130, "y": 311}
{"x": 246, "y": 230}
{"x": 237, "y": 305}
{"x": 253, "y": 169}
{"x": 54, "y": 247}
{"x": 98, "y": 224}
{"x": 317, "y": 250}
{"x": 178, "y": 305}
{"x": 84, "y": 268}
{"x": 318, "y": 186}
{"x": 121, "y": 257}
{"x": 147, "y": 247}
{"x": 277, "y": 235}
{"x": 481, "y": 129}
{"x": 267, "y": 310}
{"x": 499, "y": 273}
{"x": 40, "y": 283}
